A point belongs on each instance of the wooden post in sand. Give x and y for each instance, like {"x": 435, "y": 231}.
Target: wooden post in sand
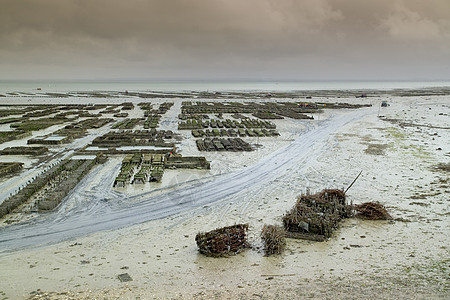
{"x": 353, "y": 182}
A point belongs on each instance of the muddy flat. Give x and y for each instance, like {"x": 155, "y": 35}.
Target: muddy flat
{"x": 100, "y": 232}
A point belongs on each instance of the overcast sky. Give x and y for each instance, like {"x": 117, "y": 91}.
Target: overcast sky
{"x": 225, "y": 39}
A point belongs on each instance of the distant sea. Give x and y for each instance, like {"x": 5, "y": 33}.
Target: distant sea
{"x": 210, "y": 86}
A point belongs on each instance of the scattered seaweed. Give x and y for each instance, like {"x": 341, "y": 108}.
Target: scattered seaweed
{"x": 223, "y": 241}
{"x": 444, "y": 167}
{"x": 372, "y": 211}
{"x": 376, "y": 149}
{"x": 274, "y": 239}
{"x": 10, "y": 167}
{"x": 21, "y": 150}
{"x": 57, "y": 182}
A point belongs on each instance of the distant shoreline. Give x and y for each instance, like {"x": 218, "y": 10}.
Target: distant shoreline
{"x": 43, "y": 87}
{"x": 305, "y": 94}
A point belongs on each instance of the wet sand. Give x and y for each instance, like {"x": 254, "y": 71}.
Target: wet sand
{"x": 403, "y": 259}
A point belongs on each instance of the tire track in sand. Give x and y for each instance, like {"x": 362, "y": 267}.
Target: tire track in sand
{"x": 232, "y": 186}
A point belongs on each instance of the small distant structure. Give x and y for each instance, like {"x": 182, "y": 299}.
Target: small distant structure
{"x": 39, "y": 89}
{"x": 363, "y": 95}
{"x": 307, "y": 105}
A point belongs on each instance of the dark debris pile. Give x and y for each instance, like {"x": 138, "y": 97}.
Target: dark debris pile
{"x": 372, "y": 211}
{"x": 223, "y": 241}
{"x": 317, "y": 214}
{"x": 274, "y": 239}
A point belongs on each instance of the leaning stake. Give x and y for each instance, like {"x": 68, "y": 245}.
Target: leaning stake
{"x": 353, "y": 182}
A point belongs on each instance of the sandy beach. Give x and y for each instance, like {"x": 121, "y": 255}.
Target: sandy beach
{"x": 403, "y": 151}
{"x": 258, "y": 149}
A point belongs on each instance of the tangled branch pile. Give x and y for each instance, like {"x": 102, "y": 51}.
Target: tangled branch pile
{"x": 223, "y": 241}
{"x": 273, "y": 237}
{"x": 372, "y": 211}
{"x": 317, "y": 214}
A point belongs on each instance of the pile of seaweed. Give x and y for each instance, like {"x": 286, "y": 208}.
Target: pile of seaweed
{"x": 372, "y": 211}
{"x": 316, "y": 216}
{"x": 223, "y": 241}
{"x": 274, "y": 239}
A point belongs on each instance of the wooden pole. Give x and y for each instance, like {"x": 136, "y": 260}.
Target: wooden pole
{"x": 353, "y": 182}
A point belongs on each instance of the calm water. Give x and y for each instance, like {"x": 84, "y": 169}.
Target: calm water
{"x": 211, "y": 86}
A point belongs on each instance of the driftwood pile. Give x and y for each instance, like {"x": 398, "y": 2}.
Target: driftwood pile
{"x": 316, "y": 216}
{"x": 274, "y": 239}
{"x": 223, "y": 241}
{"x": 372, "y": 211}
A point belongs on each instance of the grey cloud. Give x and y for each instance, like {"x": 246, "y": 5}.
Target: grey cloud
{"x": 404, "y": 23}
{"x": 204, "y": 38}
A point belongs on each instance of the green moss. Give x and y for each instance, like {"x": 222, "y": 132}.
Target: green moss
{"x": 419, "y": 151}
{"x": 436, "y": 271}
{"x": 395, "y": 133}
{"x": 400, "y": 143}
